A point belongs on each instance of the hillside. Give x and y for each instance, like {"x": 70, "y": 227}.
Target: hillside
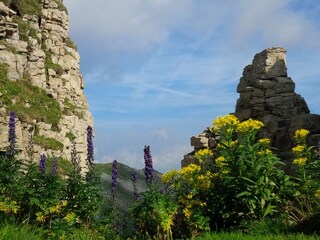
{"x": 124, "y": 197}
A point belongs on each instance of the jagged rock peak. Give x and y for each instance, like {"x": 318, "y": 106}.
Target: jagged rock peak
{"x": 267, "y": 94}
{"x": 265, "y": 88}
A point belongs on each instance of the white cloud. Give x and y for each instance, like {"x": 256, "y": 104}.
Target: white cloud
{"x": 160, "y": 133}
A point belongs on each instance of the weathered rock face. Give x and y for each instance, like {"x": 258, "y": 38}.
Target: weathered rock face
{"x": 35, "y": 48}
{"x": 267, "y": 94}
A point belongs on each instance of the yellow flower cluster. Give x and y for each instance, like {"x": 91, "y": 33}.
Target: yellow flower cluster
{"x": 203, "y": 153}
{"x": 249, "y": 125}
{"x": 225, "y": 121}
{"x": 57, "y": 208}
{"x": 71, "y": 217}
{"x": 301, "y": 133}
{"x": 204, "y": 181}
{"x": 264, "y": 152}
{"x": 299, "y": 149}
{"x": 264, "y": 141}
{"x": 9, "y": 206}
{"x": 220, "y": 161}
{"x": 42, "y": 216}
{"x": 169, "y": 176}
{"x": 300, "y": 161}
{"x": 190, "y": 169}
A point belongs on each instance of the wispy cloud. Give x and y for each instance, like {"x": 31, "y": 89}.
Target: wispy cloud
{"x": 158, "y": 71}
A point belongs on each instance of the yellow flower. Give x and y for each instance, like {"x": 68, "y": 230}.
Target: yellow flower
{"x": 202, "y": 153}
{"x": 299, "y": 149}
{"x": 190, "y": 169}
{"x": 225, "y": 121}
{"x": 221, "y": 161}
{"x": 224, "y": 172}
{"x": 40, "y": 217}
{"x": 301, "y": 133}
{"x": 215, "y": 175}
{"x": 264, "y": 152}
{"x": 317, "y": 193}
{"x": 168, "y": 176}
{"x": 249, "y": 125}
{"x": 264, "y": 141}
{"x": 187, "y": 212}
{"x": 300, "y": 161}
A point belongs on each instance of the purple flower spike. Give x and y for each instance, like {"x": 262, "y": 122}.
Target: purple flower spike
{"x": 319, "y": 150}
{"x": 42, "y": 164}
{"x": 148, "y": 170}
{"x": 54, "y": 167}
{"x": 134, "y": 182}
{"x": 90, "y": 149}
{"x": 12, "y": 134}
{"x": 114, "y": 178}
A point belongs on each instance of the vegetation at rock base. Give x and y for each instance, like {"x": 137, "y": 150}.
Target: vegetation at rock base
{"x": 32, "y": 7}
{"x": 236, "y": 191}
{"x": 28, "y": 101}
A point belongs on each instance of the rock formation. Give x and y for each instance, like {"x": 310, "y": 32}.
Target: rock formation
{"x": 267, "y": 94}
{"x": 40, "y": 79}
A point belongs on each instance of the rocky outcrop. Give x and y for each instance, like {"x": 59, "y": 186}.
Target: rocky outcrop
{"x": 267, "y": 94}
{"x": 35, "y": 48}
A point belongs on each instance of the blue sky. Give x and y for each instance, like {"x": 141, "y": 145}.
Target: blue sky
{"x": 159, "y": 71}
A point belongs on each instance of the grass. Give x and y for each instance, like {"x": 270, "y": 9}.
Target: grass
{"x": 49, "y": 64}
{"x": 9, "y": 47}
{"x": 48, "y": 143}
{"x": 16, "y": 94}
{"x": 242, "y": 236}
{"x": 19, "y": 232}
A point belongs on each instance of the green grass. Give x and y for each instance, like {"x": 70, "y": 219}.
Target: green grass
{"x": 242, "y": 236}
{"x": 48, "y": 143}
{"x": 9, "y": 47}
{"x": 49, "y": 64}
{"x": 20, "y": 232}
{"x": 16, "y": 94}
{"x": 32, "y": 7}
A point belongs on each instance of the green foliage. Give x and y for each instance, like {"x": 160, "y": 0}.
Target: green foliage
{"x": 153, "y": 214}
{"x": 70, "y": 135}
{"x": 48, "y": 143}
{"x": 23, "y": 231}
{"x": 17, "y": 93}
{"x": 49, "y": 64}
{"x": 3, "y": 71}
{"x": 32, "y": 7}
{"x": 243, "y": 236}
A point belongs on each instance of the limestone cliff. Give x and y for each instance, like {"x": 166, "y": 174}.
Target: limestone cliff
{"x": 40, "y": 79}
{"x": 267, "y": 94}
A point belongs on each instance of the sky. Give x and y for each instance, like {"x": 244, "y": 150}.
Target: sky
{"x": 157, "y": 72}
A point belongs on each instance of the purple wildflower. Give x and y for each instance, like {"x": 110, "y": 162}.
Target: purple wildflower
{"x": 319, "y": 150}
{"x": 54, "y": 167}
{"x": 12, "y": 134}
{"x": 89, "y": 148}
{"x": 148, "y": 170}
{"x": 114, "y": 178}
{"x": 134, "y": 182}
{"x": 74, "y": 157}
{"x": 42, "y": 164}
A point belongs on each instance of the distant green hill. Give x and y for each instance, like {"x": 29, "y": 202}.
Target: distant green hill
{"x": 124, "y": 197}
